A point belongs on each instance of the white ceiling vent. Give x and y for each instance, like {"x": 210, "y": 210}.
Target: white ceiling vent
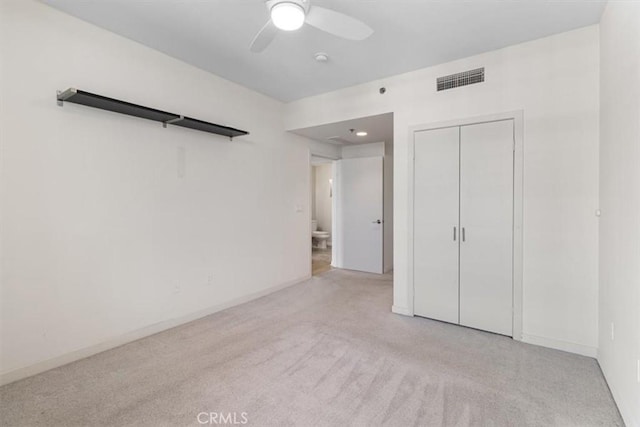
{"x": 461, "y": 79}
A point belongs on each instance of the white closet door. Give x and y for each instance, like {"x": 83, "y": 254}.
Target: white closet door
{"x": 435, "y": 261}
{"x": 486, "y": 218}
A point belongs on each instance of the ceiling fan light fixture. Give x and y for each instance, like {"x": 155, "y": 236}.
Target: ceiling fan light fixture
{"x": 287, "y": 16}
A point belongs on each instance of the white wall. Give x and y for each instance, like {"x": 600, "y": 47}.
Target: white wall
{"x": 374, "y": 149}
{"x": 619, "y": 356}
{"x": 324, "y": 149}
{"x": 101, "y": 239}
{"x": 388, "y": 206}
{"x": 555, "y": 80}
{"x": 313, "y": 192}
{"x": 323, "y": 173}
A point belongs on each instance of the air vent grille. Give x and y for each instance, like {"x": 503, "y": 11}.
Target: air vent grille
{"x": 461, "y": 79}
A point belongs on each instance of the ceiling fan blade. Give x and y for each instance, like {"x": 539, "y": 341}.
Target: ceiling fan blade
{"x": 338, "y": 24}
{"x": 264, "y": 37}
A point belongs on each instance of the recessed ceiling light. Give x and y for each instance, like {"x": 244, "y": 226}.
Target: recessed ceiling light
{"x": 361, "y": 133}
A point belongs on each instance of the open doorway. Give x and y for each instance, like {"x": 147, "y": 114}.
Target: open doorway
{"x": 352, "y": 166}
{"x": 322, "y": 171}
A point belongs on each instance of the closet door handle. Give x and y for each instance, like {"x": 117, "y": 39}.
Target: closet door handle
{"x": 454, "y": 233}
{"x": 463, "y": 236}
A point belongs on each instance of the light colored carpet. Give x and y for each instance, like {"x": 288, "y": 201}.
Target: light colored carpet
{"x": 324, "y": 352}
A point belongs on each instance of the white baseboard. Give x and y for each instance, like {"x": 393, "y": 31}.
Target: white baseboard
{"x": 401, "y": 310}
{"x": 626, "y": 405}
{"x": 37, "y": 368}
{"x": 570, "y": 347}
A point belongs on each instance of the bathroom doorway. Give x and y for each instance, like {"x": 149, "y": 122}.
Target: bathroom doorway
{"x": 322, "y": 208}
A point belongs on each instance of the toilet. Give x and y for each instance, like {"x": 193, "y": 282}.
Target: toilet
{"x": 320, "y": 237}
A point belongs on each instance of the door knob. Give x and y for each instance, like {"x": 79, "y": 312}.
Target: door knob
{"x": 376, "y": 222}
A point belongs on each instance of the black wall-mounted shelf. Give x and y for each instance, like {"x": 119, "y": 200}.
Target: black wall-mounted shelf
{"x": 98, "y": 101}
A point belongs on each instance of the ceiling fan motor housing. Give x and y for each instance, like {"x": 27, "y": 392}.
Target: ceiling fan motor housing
{"x": 290, "y": 15}
{"x": 304, "y": 4}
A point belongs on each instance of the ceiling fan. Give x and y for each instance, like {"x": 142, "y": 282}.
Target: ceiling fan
{"x": 289, "y": 15}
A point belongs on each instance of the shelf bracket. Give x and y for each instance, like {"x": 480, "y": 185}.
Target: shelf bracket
{"x": 62, "y": 96}
{"x": 168, "y": 122}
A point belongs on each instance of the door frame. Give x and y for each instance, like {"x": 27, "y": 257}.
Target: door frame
{"x": 334, "y": 205}
{"x": 518, "y": 190}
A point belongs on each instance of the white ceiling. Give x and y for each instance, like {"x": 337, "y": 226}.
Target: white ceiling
{"x": 379, "y": 128}
{"x": 409, "y": 34}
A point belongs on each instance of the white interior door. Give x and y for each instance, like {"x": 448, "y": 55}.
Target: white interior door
{"x": 486, "y": 221}
{"x": 360, "y": 214}
{"x": 436, "y": 230}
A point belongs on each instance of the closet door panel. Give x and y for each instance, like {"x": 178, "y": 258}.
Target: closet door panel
{"x": 435, "y": 216}
{"x": 486, "y": 218}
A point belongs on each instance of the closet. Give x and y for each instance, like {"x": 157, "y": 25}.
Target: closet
{"x": 463, "y": 225}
